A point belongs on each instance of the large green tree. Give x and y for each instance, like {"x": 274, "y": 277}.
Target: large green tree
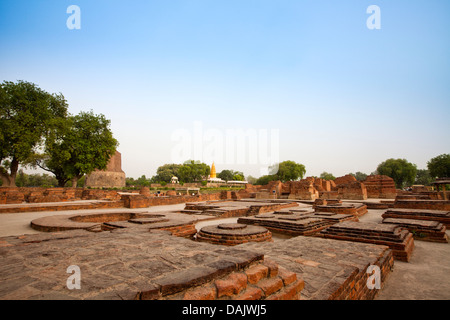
{"x": 230, "y": 175}
{"x": 77, "y": 146}
{"x": 192, "y": 171}
{"x": 327, "y": 176}
{"x": 439, "y": 166}
{"x": 423, "y": 177}
{"x": 263, "y": 180}
{"x": 27, "y": 113}
{"x": 165, "y": 173}
{"x": 288, "y": 171}
{"x": 402, "y": 171}
{"x": 360, "y": 176}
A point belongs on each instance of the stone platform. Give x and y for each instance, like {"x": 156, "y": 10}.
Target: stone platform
{"x": 61, "y": 206}
{"x": 135, "y": 263}
{"x": 236, "y": 208}
{"x": 399, "y": 239}
{"x": 422, "y": 229}
{"x": 442, "y": 216}
{"x": 177, "y": 224}
{"x": 296, "y": 222}
{"x": 232, "y": 234}
{"x": 331, "y": 269}
{"x": 356, "y": 209}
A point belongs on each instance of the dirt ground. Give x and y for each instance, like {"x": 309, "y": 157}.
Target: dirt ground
{"x": 425, "y": 277}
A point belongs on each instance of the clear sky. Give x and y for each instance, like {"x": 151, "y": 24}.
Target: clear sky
{"x": 333, "y": 94}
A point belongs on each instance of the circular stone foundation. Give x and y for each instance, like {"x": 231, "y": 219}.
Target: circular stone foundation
{"x": 231, "y": 234}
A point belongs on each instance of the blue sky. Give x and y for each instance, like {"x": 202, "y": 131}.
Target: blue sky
{"x": 344, "y": 98}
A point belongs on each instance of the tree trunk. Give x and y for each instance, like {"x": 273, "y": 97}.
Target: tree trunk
{"x": 61, "y": 183}
{"x": 9, "y": 180}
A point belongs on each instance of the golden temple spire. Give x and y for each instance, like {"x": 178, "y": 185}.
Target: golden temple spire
{"x": 213, "y": 171}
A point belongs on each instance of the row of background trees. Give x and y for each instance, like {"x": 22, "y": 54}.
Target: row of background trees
{"x": 37, "y": 131}
{"x": 401, "y": 171}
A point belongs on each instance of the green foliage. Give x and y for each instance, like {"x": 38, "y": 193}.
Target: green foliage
{"x": 165, "y": 173}
{"x": 263, "y": 180}
{"x": 359, "y": 176}
{"x": 288, "y": 171}
{"x": 27, "y": 113}
{"x": 251, "y": 180}
{"x": 439, "y": 166}
{"x": 142, "y": 181}
{"x": 35, "y": 180}
{"x": 192, "y": 171}
{"x": 402, "y": 171}
{"x": 327, "y": 176}
{"x": 230, "y": 175}
{"x": 226, "y": 175}
{"x": 423, "y": 177}
{"x": 77, "y": 146}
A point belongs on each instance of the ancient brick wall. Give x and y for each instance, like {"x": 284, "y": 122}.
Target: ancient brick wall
{"x": 380, "y": 186}
{"x": 111, "y": 177}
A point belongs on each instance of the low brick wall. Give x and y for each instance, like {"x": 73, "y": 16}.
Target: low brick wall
{"x": 422, "y": 230}
{"x": 423, "y": 204}
{"x": 353, "y": 209}
{"x": 142, "y": 201}
{"x": 442, "y": 216}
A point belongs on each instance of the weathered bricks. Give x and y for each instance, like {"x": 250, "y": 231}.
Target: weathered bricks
{"x": 256, "y": 273}
{"x": 296, "y": 223}
{"x": 423, "y": 204}
{"x": 232, "y": 285}
{"x": 442, "y": 216}
{"x": 400, "y": 240}
{"x": 421, "y": 229}
{"x": 233, "y": 234}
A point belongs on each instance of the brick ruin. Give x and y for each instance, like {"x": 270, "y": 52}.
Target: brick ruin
{"x": 380, "y": 186}
{"x": 399, "y": 239}
{"x": 231, "y": 234}
{"x": 204, "y": 268}
{"x": 112, "y": 177}
{"x": 310, "y": 188}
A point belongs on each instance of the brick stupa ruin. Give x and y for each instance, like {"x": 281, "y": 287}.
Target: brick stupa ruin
{"x": 112, "y": 177}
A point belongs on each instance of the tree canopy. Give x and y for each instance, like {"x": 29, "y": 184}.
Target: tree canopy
{"x": 327, "y": 176}
{"x": 27, "y": 113}
{"x": 360, "y": 176}
{"x": 284, "y": 171}
{"x": 423, "y": 177}
{"x": 289, "y": 171}
{"x": 439, "y": 167}
{"x": 165, "y": 173}
{"x": 402, "y": 171}
{"x": 192, "y": 171}
{"x": 78, "y": 145}
{"x": 230, "y": 175}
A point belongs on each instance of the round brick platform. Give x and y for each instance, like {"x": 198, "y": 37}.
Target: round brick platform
{"x": 107, "y": 221}
{"x": 231, "y": 234}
